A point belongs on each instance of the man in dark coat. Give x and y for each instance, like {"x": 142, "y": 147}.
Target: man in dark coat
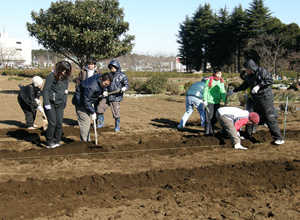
{"x": 86, "y": 98}
{"x": 119, "y": 83}
{"x": 260, "y": 81}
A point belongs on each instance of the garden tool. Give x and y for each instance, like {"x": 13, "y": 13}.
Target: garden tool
{"x": 285, "y": 115}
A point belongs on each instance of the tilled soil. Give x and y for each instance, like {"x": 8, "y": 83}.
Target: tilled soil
{"x": 149, "y": 170}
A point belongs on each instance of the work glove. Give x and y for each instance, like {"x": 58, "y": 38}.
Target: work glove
{"x": 47, "y": 107}
{"x": 255, "y": 89}
{"x": 37, "y": 101}
{"x": 40, "y": 108}
{"x": 105, "y": 94}
{"x": 123, "y": 89}
{"x": 93, "y": 116}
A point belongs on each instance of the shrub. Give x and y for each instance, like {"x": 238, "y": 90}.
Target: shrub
{"x": 187, "y": 85}
{"x": 175, "y": 89}
{"x": 155, "y": 85}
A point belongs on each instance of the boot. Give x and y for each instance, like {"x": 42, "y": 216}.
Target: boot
{"x": 100, "y": 121}
{"x": 117, "y": 124}
{"x": 208, "y": 129}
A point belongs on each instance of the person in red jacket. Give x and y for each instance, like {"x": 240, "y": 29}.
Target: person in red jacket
{"x": 232, "y": 119}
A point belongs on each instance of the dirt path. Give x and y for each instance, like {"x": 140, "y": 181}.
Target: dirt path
{"x": 147, "y": 171}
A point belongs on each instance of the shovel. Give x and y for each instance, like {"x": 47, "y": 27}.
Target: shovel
{"x": 95, "y": 130}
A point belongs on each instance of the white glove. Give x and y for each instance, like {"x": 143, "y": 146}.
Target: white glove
{"x": 93, "y": 116}
{"x": 37, "y": 101}
{"x": 255, "y": 89}
{"x": 205, "y": 103}
{"x": 105, "y": 94}
{"x": 40, "y": 108}
{"x": 66, "y": 92}
{"x": 47, "y": 107}
{"x": 123, "y": 89}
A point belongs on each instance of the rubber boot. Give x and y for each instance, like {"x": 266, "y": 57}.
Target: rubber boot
{"x": 117, "y": 124}
{"x": 100, "y": 121}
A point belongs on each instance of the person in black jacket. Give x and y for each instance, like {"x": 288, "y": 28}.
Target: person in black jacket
{"x": 260, "y": 81}
{"x": 86, "y": 99}
{"x": 28, "y": 99}
{"x": 55, "y": 94}
{"x": 120, "y": 84}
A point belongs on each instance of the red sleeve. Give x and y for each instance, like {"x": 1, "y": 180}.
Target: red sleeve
{"x": 240, "y": 123}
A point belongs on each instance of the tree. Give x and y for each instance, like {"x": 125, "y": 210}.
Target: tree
{"x": 185, "y": 40}
{"x": 7, "y": 54}
{"x": 238, "y": 28}
{"x": 270, "y": 49}
{"x": 80, "y": 30}
{"x": 259, "y": 18}
{"x": 204, "y": 22}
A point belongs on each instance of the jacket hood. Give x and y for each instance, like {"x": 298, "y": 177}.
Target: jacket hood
{"x": 116, "y": 64}
{"x": 250, "y": 64}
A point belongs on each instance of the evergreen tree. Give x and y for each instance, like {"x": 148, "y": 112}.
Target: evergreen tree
{"x": 204, "y": 21}
{"x": 258, "y": 18}
{"x": 185, "y": 36}
{"x": 239, "y": 33}
{"x": 82, "y": 29}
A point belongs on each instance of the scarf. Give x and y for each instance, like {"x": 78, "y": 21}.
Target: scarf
{"x": 212, "y": 78}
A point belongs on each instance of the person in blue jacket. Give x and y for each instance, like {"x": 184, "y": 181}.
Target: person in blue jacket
{"x": 86, "y": 98}
{"x": 119, "y": 83}
{"x": 194, "y": 99}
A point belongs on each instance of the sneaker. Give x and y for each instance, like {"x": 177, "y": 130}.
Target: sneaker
{"x": 279, "y": 141}
{"x": 239, "y": 147}
{"x": 51, "y": 146}
{"x": 31, "y": 128}
{"x": 117, "y": 129}
{"x": 35, "y": 126}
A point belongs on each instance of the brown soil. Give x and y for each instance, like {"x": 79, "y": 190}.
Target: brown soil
{"x": 149, "y": 170}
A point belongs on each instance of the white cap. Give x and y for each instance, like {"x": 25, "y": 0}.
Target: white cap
{"x": 37, "y": 81}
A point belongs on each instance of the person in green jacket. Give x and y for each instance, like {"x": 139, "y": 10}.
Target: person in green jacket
{"x": 214, "y": 93}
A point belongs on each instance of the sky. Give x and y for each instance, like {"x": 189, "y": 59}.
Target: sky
{"x": 155, "y": 23}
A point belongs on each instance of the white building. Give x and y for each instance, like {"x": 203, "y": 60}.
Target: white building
{"x": 14, "y": 52}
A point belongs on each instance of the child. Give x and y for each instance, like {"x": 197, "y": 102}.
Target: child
{"x": 214, "y": 93}
{"x": 232, "y": 119}
{"x": 55, "y": 100}
{"x": 119, "y": 82}
{"x": 28, "y": 99}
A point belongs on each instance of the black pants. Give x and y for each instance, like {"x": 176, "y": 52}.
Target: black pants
{"x": 210, "y": 119}
{"x": 55, "y": 120}
{"x": 264, "y": 106}
{"x": 30, "y": 114}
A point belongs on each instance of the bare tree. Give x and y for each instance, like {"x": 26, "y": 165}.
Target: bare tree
{"x": 7, "y": 54}
{"x": 270, "y": 49}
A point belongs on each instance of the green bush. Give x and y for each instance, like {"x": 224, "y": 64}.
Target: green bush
{"x": 175, "y": 89}
{"x": 187, "y": 85}
{"x": 155, "y": 85}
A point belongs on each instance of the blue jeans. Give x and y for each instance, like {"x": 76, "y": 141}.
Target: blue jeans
{"x": 192, "y": 102}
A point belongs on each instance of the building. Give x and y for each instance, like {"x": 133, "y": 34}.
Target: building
{"x": 14, "y": 52}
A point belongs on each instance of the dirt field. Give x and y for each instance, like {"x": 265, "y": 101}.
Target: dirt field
{"x": 149, "y": 170}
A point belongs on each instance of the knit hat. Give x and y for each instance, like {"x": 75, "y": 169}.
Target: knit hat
{"x": 254, "y": 117}
{"x": 37, "y": 81}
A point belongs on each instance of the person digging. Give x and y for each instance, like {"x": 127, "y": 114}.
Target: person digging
{"x": 232, "y": 119}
